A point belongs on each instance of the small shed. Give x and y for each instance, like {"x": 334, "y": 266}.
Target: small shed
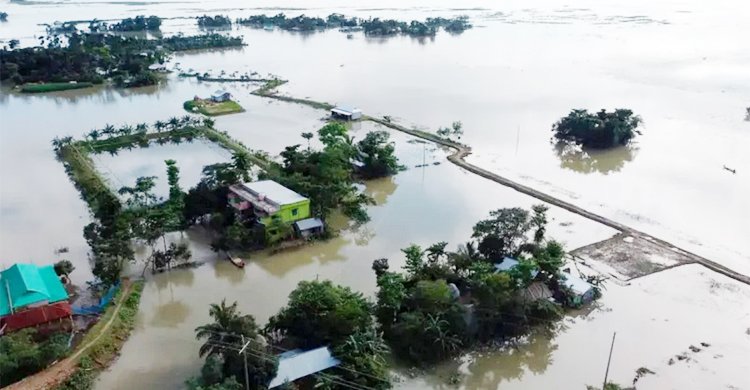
{"x": 583, "y": 291}
{"x": 296, "y": 364}
{"x": 308, "y": 227}
{"x": 344, "y": 112}
{"x": 221, "y": 96}
{"x": 30, "y": 296}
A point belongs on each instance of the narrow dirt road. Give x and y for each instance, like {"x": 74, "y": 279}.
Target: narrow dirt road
{"x": 62, "y": 370}
{"x": 458, "y": 158}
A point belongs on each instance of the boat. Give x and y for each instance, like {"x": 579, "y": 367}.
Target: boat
{"x": 236, "y": 261}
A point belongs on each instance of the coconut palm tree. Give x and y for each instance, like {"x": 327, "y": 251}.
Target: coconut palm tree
{"x": 93, "y": 134}
{"x": 308, "y": 136}
{"x": 173, "y": 122}
{"x": 159, "y": 125}
{"x": 227, "y": 329}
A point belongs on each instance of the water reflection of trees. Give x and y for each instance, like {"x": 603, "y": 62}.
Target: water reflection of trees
{"x": 487, "y": 370}
{"x": 380, "y": 189}
{"x": 587, "y": 161}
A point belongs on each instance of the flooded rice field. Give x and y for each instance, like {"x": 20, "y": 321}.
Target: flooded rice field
{"x": 680, "y": 65}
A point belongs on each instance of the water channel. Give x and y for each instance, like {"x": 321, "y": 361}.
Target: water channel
{"x": 680, "y": 65}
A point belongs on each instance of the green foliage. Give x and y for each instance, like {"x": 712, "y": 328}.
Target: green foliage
{"x": 378, "y": 155}
{"x": 206, "y": 21}
{"x": 391, "y": 294}
{"x": 52, "y": 87}
{"x": 64, "y": 267}
{"x": 503, "y": 233}
{"x": 224, "y": 337}
{"x": 25, "y": 352}
{"x": 363, "y": 359}
{"x": 125, "y": 59}
{"x": 600, "y": 130}
{"x": 325, "y": 176}
{"x": 320, "y": 313}
{"x": 138, "y": 23}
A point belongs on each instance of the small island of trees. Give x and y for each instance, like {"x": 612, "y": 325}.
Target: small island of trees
{"x": 598, "y": 130}
{"x": 94, "y": 57}
{"x": 217, "y": 21}
{"x": 372, "y": 26}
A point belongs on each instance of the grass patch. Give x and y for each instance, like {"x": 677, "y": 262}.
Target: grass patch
{"x": 207, "y": 107}
{"x": 105, "y": 349}
{"x": 52, "y": 87}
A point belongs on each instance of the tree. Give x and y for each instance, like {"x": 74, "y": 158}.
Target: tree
{"x": 308, "y": 137}
{"x": 176, "y": 202}
{"x": 140, "y": 195}
{"x": 363, "y": 359}
{"x": 390, "y": 297}
{"x": 64, "y": 267}
{"x": 320, "y": 313}
{"x": 600, "y": 130}
{"x": 502, "y": 234}
{"x": 241, "y": 164}
{"x": 224, "y": 338}
{"x": 23, "y": 353}
{"x": 377, "y": 155}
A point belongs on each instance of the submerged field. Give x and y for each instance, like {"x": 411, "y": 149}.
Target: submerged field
{"x": 669, "y": 184}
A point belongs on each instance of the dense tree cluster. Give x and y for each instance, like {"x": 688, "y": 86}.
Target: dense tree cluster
{"x": 598, "y": 130}
{"x": 138, "y": 23}
{"x": 3, "y": 16}
{"x": 216, "y": 21}
{"x": 223, "y": 339}
{"x": 445, "y": 301}
{"x": 92, "y": 57}
{"x": 26, "y": 352}
{"x": 375, "y": 27}
{"x": 320, "y": 313}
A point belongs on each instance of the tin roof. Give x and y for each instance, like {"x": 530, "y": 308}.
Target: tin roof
{"x": 345, "y": 109}
{"x": 25, "y": 284}
{"x": 298, "y": 364}
{"x": 508, "y": 263}
{"x": 309, "y": 223}
{"x": 578, "y": 285}
{"x": 274, "y": 192}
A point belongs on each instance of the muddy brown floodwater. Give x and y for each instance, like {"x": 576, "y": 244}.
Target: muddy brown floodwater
{"x": 680, "y": 65}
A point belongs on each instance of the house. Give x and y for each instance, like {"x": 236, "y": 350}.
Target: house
{"x": 221, "y": 96}
{"x": 31, "y": 296}
{"x": 297, "y": 364}
{"x": 346, "y": 113}
{"x": 583, "y": 291}
{"x": 509, "y": 263}
{"x": 270, "y": 204}
{"x": 157, "y": 67}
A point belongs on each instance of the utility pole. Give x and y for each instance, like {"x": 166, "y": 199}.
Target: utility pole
{"x": 244, "y": 358}
{"x": 609, "y": 360}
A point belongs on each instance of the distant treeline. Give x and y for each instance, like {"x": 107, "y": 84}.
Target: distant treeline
{"x": 138, "y": 23}
{"x": 93, "y": 57}
{"x": 372, "y": 26}
{"x": 206, "y": 21}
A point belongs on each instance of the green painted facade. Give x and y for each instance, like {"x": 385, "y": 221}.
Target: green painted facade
{"x": 280, "y": 222}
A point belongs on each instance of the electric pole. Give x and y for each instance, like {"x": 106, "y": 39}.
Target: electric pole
{"x": 609, "y": 360}
{"x": 244, "y": 358}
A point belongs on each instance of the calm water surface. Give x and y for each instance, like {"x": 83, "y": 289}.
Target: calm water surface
{"x": 680, "y": 65}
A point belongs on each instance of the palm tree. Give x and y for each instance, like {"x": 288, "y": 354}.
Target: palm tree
{"x": 208, "y": 122}
{"x": 173, "y": 122}
{"x": 141, "y": 128}
{"x": 438, "y": 328}
{"x": 241, "y": 163}
{"x": 228, "y": 328}
{"x": 94, "y": 134}
{"x": 126, "y": 130}
{"x": 308, "y": 137}
{"x": 159, "y": 125}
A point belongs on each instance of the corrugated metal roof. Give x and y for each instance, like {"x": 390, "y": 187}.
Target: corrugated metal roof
{"x": 309, "y": 223}
{"x": 508, "y": 263}
{"x": 28, "y": 284}
{"x": 274, "y": 192}
{"x": 578, "y": 285}
{"x": 345, "y": 109}
{"x": 298, "y": 364}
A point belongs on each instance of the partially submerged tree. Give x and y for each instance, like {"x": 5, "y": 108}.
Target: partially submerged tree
{"x": 224, "y": 338}
{"x": 600, "y": 130}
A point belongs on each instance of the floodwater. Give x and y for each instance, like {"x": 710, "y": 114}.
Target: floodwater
{"x": 680, "y": 65}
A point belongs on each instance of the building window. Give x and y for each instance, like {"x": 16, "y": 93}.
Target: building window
{"x": 294, "y": 212}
